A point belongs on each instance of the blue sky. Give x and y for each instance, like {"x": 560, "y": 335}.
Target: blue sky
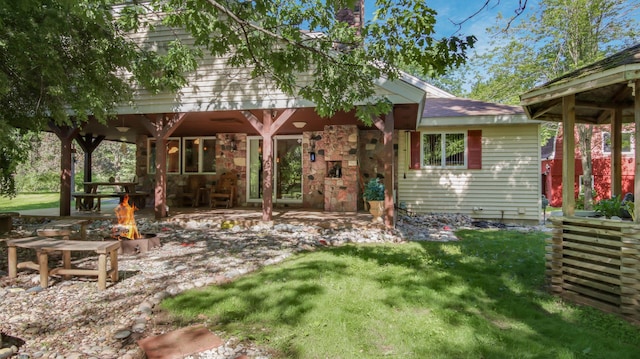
{"x": 450, "y": 11}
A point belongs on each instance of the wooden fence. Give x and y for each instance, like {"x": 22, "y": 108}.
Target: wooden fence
{"x": 596, "y": 262}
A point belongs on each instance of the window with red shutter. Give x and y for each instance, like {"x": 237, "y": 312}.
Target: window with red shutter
{"x": 446, "y": 149}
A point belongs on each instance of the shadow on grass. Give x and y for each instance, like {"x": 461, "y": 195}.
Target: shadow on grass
{"x": 479, "y": 297}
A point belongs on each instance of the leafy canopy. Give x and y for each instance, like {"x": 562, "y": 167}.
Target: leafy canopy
{"x": 69, "y": 57}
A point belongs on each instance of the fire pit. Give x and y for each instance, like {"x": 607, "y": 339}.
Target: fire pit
{"x": 141, "y": 245}
{"x": 126, "y": 231}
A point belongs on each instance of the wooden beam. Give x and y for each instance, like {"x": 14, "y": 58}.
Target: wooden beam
{"x": 568, "y": 155}
{"x": 616, "y": 153}
{"x": 548, "y": 107}
{"x": 267, "y": 165}
{"x": 386, "y": 127}
{"x": 161, "y": 127}
{"x": 88, "y": 144}
{"x": 66, "y": 134}
{"x": 636, "y": 115}
{"x": 267, "y": 128}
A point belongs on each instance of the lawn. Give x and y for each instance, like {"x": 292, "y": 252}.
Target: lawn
{"x": 26, "y": 201}
{"x": 481, "y": 297}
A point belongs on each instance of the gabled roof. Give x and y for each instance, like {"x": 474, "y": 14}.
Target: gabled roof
{"x": 598, "y": 88}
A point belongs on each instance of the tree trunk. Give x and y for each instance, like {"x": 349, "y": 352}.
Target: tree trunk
{"x": 585, "y": 132}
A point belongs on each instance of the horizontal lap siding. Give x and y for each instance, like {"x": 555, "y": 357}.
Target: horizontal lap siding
{"x": 214, "y": 85}
{"x": 509, "y": 180}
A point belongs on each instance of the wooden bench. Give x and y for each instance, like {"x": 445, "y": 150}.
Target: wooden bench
{"x": 44, "y": 246}
{"x": 63, "y": 228}
{"x": 6, "y": 221}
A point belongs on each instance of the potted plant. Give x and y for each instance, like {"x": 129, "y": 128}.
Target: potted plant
{"x": 374, "y": 194}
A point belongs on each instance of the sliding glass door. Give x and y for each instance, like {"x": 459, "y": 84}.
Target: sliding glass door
{"x": 287, "y": 169}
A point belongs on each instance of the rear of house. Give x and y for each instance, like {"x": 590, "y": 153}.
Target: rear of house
{"x": 472, "y": 157}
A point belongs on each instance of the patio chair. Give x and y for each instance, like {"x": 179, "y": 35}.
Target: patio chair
{"x": 190, "y": 192}
{"x": 225, "y": 191}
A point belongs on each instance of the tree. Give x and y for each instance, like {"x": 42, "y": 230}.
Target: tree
{"x": 60, "y": 61}
{"x": 62, "y": 57}
{"x": 562, "y": 35}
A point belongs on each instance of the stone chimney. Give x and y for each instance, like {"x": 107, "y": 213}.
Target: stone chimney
{"x": 355, "y": 16}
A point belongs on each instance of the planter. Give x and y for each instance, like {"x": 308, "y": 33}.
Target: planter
{"x": 376, "y": 208}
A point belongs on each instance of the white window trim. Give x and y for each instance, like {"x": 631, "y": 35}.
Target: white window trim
{"x": 200, "y": 154}
{"x": 631, "y": 142}
{"x": 593, "y": 182}
{"x": 151, "y": 170}
{"x": 443, "y": 159}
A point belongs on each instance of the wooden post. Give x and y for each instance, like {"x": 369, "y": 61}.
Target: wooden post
{"x": 630, "y": 273}
{"x": 267, "y": 128}
{"x": 161, "y": 128}
{"x": 636, "y": 115}
{"x": 267, "y": 165}
{"x": 66, "y": 135}
{"x": 568, "y": 155}
{"x": 386, "y": 127}
{"x": 616, "y": 153}
{"x": 88, "y": 144}
{"x": 554, "y": 258}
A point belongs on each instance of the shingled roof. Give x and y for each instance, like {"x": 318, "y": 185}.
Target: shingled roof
{"x": 458, "y": 107}
{"x": 630, "y": 55}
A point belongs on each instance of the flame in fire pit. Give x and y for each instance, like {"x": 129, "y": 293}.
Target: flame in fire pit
{"x": 126, "y": 227}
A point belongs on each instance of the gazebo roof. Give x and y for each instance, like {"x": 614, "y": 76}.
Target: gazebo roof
{"x": 600, "y": 88}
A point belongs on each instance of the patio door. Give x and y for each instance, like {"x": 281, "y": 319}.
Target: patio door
{"x": 287, "y": 171}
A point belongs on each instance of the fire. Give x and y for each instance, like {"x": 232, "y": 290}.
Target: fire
{"x": 126, "y": 221}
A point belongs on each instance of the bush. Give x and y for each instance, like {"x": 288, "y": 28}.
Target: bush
{"x": 374, "y": 191}
{"x": 609, "y": 207}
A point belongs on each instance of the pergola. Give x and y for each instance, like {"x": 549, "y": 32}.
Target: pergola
{"x": 601, "y": 93}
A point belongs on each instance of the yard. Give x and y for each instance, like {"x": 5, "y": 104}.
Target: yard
{"x": 480, "y": 297}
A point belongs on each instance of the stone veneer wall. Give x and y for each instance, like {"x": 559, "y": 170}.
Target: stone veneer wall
{"x": 341, "y": 150}
{"x": 313, "y": 173}
{"x": 227, "y": 159}
{"x": 372, "y": 159}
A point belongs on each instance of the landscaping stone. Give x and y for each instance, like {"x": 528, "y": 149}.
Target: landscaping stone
{"x": 72, "y": 318}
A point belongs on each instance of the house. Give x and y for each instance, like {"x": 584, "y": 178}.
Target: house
{"x": 551, "y": 165}
{"x": 472, "y": 157}
{"x": 283, "y": 153}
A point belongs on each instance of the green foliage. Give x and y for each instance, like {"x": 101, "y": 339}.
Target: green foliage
{"x": 374, "y": 190}
{"x": 479, "y": 297}
{"x": 609, "y": 207}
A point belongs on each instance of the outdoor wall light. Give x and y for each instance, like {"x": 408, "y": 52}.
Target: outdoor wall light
{"x": 299, "y": 124}
{"x": 312, "y": 156}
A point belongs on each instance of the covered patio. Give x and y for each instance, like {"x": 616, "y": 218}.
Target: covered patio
{"x": 594, "y": 261}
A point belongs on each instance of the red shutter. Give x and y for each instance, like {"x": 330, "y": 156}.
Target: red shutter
{"x": 414, "y": 164}
{"x": 474, "y": 142}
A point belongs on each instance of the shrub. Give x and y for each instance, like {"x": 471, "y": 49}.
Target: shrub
{"x": 374, "y": 191}
{"x": 609, "y": 207}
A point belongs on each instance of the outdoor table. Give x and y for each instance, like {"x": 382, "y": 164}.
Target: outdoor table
{"x": 92, "y": 187}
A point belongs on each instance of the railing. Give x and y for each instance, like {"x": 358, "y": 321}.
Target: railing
{"x": 596, "y": 262}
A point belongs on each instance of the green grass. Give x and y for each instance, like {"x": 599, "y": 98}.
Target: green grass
{"x": 481, "y": 297}
{"x": 26, "y": 201}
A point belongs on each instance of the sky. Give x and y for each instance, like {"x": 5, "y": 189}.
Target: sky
{"x": 455, "y": 11}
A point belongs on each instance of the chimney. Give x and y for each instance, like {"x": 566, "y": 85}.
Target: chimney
{"x": 353, "y": 17}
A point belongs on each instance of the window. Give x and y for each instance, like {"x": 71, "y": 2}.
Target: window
{"x": 443, "y": 150}
{"x": 199, "y": 155}
{"x": 173, "y": 155}
{"x": 627, "y": 142}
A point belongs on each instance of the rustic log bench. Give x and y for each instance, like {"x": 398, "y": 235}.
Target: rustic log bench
{"x": 44, "y": 246}
{"x": 6, "y": 221}
{"x": 63, "y": 228}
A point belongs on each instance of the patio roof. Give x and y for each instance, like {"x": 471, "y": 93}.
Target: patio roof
{"x": 600, "y": 88}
